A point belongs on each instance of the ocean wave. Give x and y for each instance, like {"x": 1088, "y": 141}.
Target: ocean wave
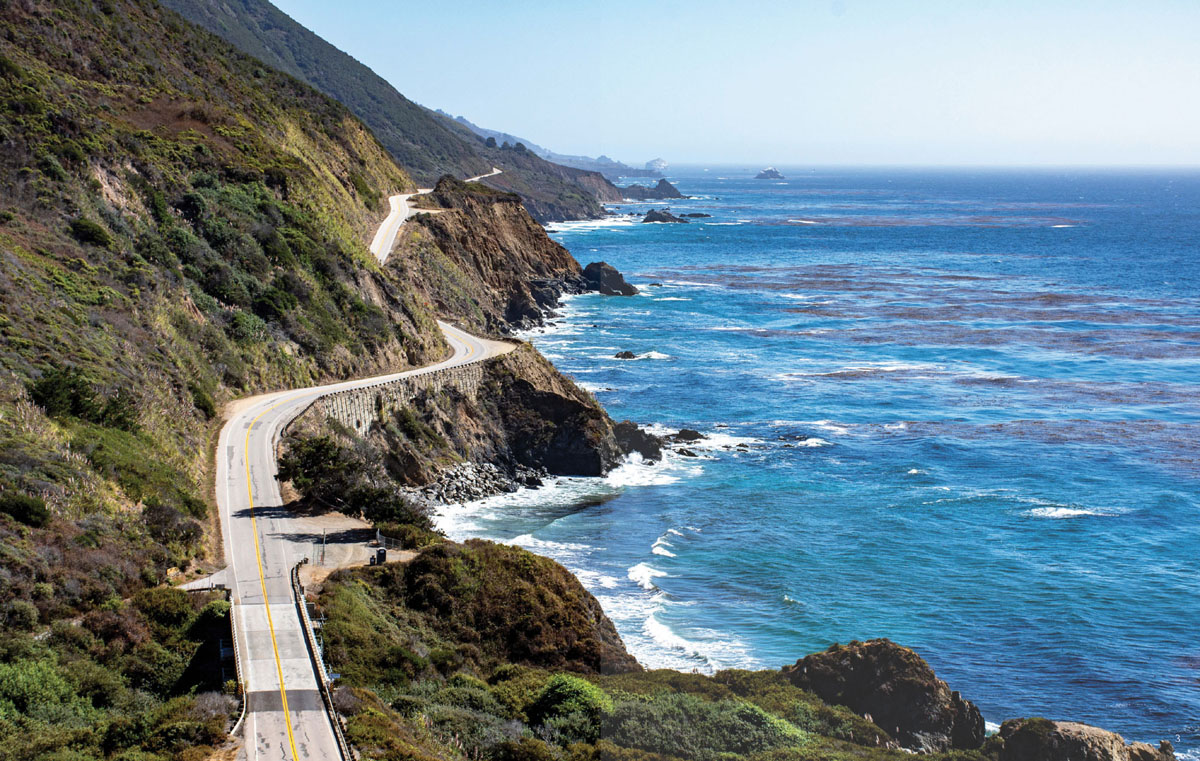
{"x": 1065, "y": 512}
{"x": 659, "y": 549}
{"x": 588, "y": 225}
{"x": 644, "y": 575}
{"x": 672, "y": 298}
{"x": 666, "y": 637}
{"x": 813, "y": 441}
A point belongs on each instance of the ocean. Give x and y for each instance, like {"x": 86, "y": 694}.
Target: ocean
{"x": 958, "y": 409}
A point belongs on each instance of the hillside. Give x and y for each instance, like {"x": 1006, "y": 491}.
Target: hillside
{"x": 425, "y": 144}
{"x": 179, "y": 226}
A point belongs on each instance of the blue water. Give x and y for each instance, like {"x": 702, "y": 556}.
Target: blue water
{"x": 968, "y": 404}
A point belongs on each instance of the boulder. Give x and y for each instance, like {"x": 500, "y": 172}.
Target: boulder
{"x": 625, "y": 355}
{"x": 895, "y": 688}
{"x": 1039, "y": 739}
{"x": 687, "y": 435}
{"x": 603, "y": 277}
{"x": 631, "y": 438}
{"x": 654, "y": 215}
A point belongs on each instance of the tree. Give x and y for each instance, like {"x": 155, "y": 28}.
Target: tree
{"x": 63, "y": 391}
{"x": 490, "y": 142}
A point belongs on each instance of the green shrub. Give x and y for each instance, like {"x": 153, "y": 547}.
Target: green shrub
{"x": 87, "y": 231}
{"x": 21, "y": 614}
{"x": 689, "y": 727}
{"x": 524, "y": 749}
{"x": 9, "y": 68}
{"x": 63, "y": 391}
{"x": 6, "y": 216}
{"x": 203, "y": 400}
{"x": 27, "y": 509}
{"x": 166, "y": 606}
{"x": 247, "y": 327}
{"x": 564, "y": 695}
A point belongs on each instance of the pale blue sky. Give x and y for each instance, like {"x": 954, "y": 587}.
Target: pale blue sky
{"x": 820, "y": 82}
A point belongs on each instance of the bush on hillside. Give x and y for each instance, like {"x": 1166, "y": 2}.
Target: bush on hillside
{"x": 31, "y": 511}
{"x": 87, "y": 231}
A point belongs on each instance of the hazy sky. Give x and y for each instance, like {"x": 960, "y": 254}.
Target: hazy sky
{"x": 820, "y": 82}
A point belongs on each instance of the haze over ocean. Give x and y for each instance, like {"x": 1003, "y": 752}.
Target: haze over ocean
{"x": 957, "y": 409}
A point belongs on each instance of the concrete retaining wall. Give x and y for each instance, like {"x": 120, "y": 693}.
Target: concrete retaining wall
{"x": 358, "y": 408}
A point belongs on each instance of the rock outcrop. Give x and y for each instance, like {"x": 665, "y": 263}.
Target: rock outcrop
{"x": 503, "y": 604}
{"x": 896, "y": 689}
{"x": 770, "y": 173}
{"x": 655, "y": 215}
{"x": 603, "y": 277}
{"x": 1044, "y": 740}
{"x": 498, "y": 263}
{"x": 663, "y": 190}
{"x": 631, "y": 438}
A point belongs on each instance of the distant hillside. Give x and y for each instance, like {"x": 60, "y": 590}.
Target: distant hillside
{"x": 610, "y": 168}
{"x": 420, "y": 141}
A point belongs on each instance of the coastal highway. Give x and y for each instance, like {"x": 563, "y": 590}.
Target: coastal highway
{"x": 385, "y": 236}
{"x": 285, "y": 716}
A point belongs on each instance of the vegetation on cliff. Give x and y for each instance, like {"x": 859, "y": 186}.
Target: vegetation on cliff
{"x": 487, "y": 651}
{"x": 425, "y": 143}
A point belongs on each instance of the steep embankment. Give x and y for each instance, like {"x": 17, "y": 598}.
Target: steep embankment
{"x": 425, "y": 143}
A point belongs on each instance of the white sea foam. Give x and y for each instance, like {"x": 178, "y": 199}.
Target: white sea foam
{"x": 644, "y": 575}
{"x": 804, "y": 221}
{"x": 595, "y": 579}
{"x": 675, "y": 532}
{"x": 587, "y": 225}
{"x": 814, "y": 442}
{"x": 991, "y": 727}
{"x": 661, "y": 549}
{"x": 664, "y": 636}
{"x": 915, "y": 471}
{"x": 1064, "y": 512}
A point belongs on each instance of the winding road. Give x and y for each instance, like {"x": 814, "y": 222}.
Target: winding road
{"x": 285, "y": 714}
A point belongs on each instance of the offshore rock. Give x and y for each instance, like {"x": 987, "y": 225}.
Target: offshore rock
{"x": 603, "y": 277}
{"x": 1044, "y": 740}
{"x": 627, "y": 354}
{"x": 896, "y": 689}
{"x": 654, "y": 215}
{"x": 663, "y": 190}
{"x": 770, "y": 173}
{"x": 631, "y": 438}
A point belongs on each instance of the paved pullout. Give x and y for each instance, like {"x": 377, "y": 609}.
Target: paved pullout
{"x": 285, "y": 716}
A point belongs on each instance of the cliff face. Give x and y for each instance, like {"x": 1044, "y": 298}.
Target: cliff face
{"x": 503, "y": 265}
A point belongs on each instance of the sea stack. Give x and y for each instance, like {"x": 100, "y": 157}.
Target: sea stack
{"x": 770, "y": 173}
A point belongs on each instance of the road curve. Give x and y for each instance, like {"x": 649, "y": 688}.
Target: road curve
{"x": 399, "y": 211}
{"x": 285, "y": 716}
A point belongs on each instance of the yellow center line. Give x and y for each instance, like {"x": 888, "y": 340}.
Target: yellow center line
{"x": 262, "y": 580}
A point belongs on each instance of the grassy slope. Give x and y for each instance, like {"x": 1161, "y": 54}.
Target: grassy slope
{"x": 182, "y": 226}
{"x": 421, "y": 145}
{"x": 424, "y": 143}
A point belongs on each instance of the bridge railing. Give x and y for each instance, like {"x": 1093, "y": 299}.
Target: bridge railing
{"x": 314, "y": 652}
